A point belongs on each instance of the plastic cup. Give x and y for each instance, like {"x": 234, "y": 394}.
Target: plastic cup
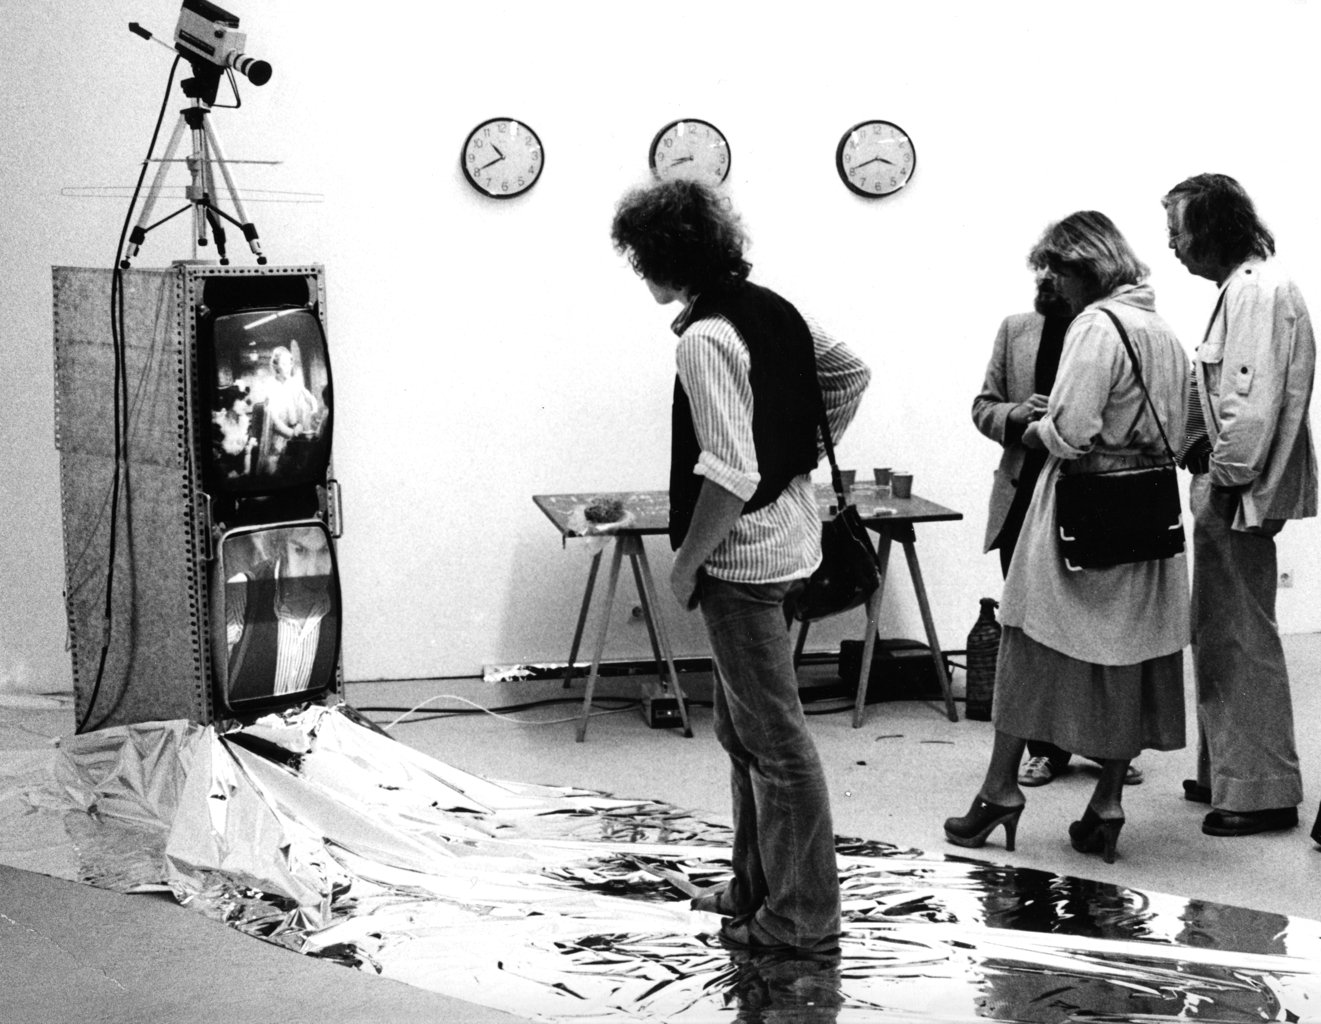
{"x": 849, "y": 476}
{"x": 882, "y": 478}
{"x": 902, "y": 484}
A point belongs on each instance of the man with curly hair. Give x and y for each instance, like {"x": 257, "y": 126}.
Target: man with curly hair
{"x": 1249, "y": 445}
{"x": 753, "y": 374}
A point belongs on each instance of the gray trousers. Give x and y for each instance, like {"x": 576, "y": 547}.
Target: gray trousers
{"x": 1246, "y": 750}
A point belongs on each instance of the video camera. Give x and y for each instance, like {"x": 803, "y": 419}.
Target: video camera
{"x": 210, "y": 33}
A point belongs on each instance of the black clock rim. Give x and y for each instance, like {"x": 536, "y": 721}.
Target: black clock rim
{"x": 463, "y": 164}
{"x": 839, "y": 160}
{"x": 651, "y": 151}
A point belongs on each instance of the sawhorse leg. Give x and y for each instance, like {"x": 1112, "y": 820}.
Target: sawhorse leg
{"x": 582, "y": 618}
{"x": 660, "y": 643}
{"x": 909, "y": 541}
{"x": 611, "y": 585}
{"x": 873, "y": 624}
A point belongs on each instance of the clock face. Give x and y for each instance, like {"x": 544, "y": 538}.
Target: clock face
{"x": 502, "y": 158}
{"x": 875, "y": 158}
{"x": 690, "y": 149}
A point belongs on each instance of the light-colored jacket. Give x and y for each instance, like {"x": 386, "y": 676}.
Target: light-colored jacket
{"x": 1098, "y": 419}
{"x": 1254, "y": 373}
{"x": 1010, "y": 379}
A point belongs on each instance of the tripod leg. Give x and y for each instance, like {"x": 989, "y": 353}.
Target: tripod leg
{"x": 139, "y": 234}
{"x": 249, "y": 229}
{"x": 218, "y": 230}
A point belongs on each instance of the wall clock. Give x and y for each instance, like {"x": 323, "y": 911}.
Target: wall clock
{"x": 690, "y": 148}
{"x": 875, "y": 158}
{"x": 502, "y": 158}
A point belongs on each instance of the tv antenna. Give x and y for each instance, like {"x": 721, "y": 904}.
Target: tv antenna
{"x": 206, "y": 37}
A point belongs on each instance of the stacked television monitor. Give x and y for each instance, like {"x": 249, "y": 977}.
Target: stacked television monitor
{"x": 266, "y": 412}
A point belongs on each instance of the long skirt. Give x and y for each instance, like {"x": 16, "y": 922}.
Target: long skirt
{"x": 1099, "y": 711}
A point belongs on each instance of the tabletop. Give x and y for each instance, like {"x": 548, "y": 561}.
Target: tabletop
{"x": 650, "y": 510}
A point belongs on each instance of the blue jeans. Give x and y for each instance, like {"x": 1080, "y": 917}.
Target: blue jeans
{"x": 784, "y": 841}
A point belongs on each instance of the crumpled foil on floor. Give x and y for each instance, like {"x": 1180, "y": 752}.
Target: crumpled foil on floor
{"x": 315, "y": 831}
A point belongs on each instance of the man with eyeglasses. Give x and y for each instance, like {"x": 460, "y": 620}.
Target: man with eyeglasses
{"x": 1249, "y": 445}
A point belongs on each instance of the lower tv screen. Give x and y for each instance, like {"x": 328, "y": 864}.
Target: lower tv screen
{"x": 276, "y": 625}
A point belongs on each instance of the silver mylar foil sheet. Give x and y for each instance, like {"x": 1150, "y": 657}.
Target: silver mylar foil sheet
{"x": 316, "y": 832}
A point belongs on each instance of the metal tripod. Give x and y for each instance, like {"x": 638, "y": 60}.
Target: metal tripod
{"x": 206, "y": 155}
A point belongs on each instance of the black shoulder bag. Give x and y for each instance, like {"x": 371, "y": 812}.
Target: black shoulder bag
{"x": 847, "y": 575}
{"x": 1124, "y": 515}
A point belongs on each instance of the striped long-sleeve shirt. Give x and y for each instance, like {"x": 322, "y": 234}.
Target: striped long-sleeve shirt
{"x": 783, "y": 540}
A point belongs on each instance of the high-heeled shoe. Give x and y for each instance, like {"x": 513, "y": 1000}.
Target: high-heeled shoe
{"x": 982, "y": 818}
{"x": 1094, "y": 834}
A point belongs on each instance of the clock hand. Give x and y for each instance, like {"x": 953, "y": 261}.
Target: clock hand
{"x": 497, "y": 151}
{"x": 681, "y": 160}
{"x": 874, "y": 160}
{"x": 495, "y": 161}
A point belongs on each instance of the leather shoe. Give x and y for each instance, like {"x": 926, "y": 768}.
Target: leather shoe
{"x": 1249, "y": 823}
{"x": 1196, "y": 792}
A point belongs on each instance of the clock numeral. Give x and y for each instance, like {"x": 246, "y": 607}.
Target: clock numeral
{"x": 669, "y": 143}
{"x": 504, "y": 186}
{"x": 487, "y": 131}
{"x": 488, "y": 183}
{"x": 521, "y": 182}
{"x": 502, "y": 128}
{"x": 848, "y": 158}
{"x": 472, "y": 157}
{"x": 478, "y": 143}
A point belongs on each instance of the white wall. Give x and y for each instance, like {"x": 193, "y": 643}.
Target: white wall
{"x": 484, "y": 351}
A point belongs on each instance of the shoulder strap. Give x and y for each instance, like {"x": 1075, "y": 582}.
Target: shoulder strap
{"x": 1137, "y": 372}
{"x": 835, "y": 478}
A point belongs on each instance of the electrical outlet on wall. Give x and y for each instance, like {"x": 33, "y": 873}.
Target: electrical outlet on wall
{"x": 1286, "y": 579}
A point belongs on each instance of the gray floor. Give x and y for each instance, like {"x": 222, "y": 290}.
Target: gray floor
{"x": 71, "y": 952}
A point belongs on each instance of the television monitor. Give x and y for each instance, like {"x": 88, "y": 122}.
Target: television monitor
{"x": 265, "y": 376}
{"x": 275, "y": 617}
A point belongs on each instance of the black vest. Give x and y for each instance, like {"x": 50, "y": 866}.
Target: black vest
{"x": 786, "y": 399}
{"x": 253, "y": 660}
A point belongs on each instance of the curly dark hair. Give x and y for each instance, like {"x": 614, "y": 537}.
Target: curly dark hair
{"x": 1089, "y": 244}
{"x": 681, "y": 234}
{"x": 1220, "y": 220}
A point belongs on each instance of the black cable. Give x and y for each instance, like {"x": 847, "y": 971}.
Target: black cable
{"x": 121, "y": 403}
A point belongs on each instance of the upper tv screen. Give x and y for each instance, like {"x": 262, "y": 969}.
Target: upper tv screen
{"x": 270, "y": 400}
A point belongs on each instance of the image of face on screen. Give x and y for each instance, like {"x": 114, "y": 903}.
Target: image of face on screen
{"x": 280, "y": 612}
{"x": 279, "y": 359}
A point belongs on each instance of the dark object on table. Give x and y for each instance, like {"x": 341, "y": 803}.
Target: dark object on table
{"x": 604, "y": 510}
{"x": 983, "y": 650}
{"x": 900, "y": 670}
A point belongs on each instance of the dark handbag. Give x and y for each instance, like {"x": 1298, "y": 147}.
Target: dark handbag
{"x": 847, "y": 575}
{"x": 1124, "y": 515}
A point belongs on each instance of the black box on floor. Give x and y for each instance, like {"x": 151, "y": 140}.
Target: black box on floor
{"x": 900, "y": 670}
{"x": 660, "y": 707}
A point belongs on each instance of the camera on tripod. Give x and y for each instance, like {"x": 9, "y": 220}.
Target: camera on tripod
{"x": 211, "y": 33}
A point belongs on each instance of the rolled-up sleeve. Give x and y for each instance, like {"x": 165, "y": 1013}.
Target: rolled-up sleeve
{"x": 844, "y": 378}
{"x": 1089, "y": 367}
{"x": 714, "y": 369}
